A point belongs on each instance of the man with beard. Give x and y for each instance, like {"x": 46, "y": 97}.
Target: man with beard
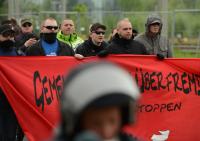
{"x": 48, "y": 45}
{"x": 95, "y": 44}
{"x": 68, "y": 35}
{"x": 26, "y": 38}
{"x": 9, "y": 127}
{"x": 123, "y": 43}
{"x": 152, "y": 39}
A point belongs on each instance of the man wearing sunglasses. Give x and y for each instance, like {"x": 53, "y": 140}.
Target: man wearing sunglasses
{"x": 123, "y": 43}
{"x": 152, "y": 39}
{"x": 95, "y": 43}
{"x": 26, "y": 38}
{"x": 48, "y": 45}
{"x": 68, "y": 35}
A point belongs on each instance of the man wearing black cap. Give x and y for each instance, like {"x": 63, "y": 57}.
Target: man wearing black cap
{"x": 7, "y": 41}
{"x": 26, "y": 38}
{"x": 95, "y": 43}
{"x": 9, "y": 127}
{"x": 152, "y": 39}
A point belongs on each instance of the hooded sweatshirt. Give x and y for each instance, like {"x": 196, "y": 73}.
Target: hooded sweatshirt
{"x": 155, "y": 44}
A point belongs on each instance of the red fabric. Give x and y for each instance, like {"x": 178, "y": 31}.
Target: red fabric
{"x": 170, "y": 94}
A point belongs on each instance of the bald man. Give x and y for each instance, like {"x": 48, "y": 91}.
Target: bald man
{"x": 48, "y": 45}
{"x": 67, "y": 34}
{"x": 123, "y": 43}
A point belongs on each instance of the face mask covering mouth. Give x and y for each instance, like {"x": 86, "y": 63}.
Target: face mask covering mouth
{"x": 48, "y": 37}
{"x": 7, "y": 44}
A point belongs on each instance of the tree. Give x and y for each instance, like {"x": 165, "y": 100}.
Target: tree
{"x": 80, "y": 7}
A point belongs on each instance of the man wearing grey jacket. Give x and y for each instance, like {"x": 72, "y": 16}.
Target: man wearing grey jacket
{"x": 152, "y": 39}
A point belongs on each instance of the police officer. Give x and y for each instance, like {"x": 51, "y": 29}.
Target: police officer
{"x": 97, "y": 110}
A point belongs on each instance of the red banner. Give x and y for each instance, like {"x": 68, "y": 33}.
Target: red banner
{"x": 168, "y": 110}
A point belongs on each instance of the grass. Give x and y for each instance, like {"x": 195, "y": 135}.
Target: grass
{"x": 186, "y": 53}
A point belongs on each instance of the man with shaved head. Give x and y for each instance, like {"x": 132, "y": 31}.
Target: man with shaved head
{"x": 123, "y": 43}
{"x": 48, "y": 45}
{"x": 67, "y": 34}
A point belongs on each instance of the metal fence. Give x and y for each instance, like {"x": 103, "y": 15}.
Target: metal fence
{"x": 180, "y": 26}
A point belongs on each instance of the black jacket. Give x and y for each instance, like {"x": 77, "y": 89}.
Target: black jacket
{"x": 88, "y": 48}
{"x": 8, "y": 120}
{"x": 124, "y": 46}
{"x": 22, "y": 38}
{"x": 9, "y": 127}
{"x": 37, "y": 50}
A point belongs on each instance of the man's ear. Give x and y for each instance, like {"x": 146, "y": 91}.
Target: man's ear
{"x": 90, "y": 34}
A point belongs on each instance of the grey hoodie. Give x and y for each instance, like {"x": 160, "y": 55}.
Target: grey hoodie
{"x": 156, "y": 44}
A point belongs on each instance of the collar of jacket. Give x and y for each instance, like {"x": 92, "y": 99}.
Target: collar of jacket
{"x": 66, "y": 38}
{"x": 121, "y": 40}
{"x": 92, "y": 46}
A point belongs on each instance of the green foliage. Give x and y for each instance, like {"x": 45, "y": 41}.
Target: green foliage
{"x": 136, "y": 5}
{"x": 186, "y": 54}
{"x": 46, "y": 5}
{"x": 180, "y": 25}
{"x": 80, "y": 7}
{"x": 82, "y": 20}
{"x": 1, "y": 2}
{"x": 110, "y": 22}
{"x": 3, "y": 8}
{"x": 30, "y": 6}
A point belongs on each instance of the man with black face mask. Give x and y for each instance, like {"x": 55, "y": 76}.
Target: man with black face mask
{"x": 9, "y": 127}
{"x": 7, "y": 41}
{"x": 48, "y": 45}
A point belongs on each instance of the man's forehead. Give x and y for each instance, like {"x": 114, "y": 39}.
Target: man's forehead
{"x": 100, "y": 29}
{"x": 68, "y": 22}
{"x": 50, "y": 22}
{"x": 126, "y": 24}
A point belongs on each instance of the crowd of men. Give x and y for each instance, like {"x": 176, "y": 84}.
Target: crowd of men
{"x": 62, "y": 40}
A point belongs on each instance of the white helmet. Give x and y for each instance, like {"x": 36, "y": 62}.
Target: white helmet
{"x": 96, "y": 84}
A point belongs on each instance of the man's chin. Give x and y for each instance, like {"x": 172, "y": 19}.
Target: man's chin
{"x": 100, "y": 41}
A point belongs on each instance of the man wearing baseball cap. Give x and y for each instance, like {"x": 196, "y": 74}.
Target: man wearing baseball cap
{"x": 9, "y": 127}
{"x": 95, "y": 43}
{"x": 27, "y": 37}
{"x": 7, "y": 41}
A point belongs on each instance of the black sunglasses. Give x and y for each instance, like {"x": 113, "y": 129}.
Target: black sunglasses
{"x": 8, "y": 33}
{"x": 27, "y": 25}
{"x": 51, "y": 27}
{"x": 99, "y": 32}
